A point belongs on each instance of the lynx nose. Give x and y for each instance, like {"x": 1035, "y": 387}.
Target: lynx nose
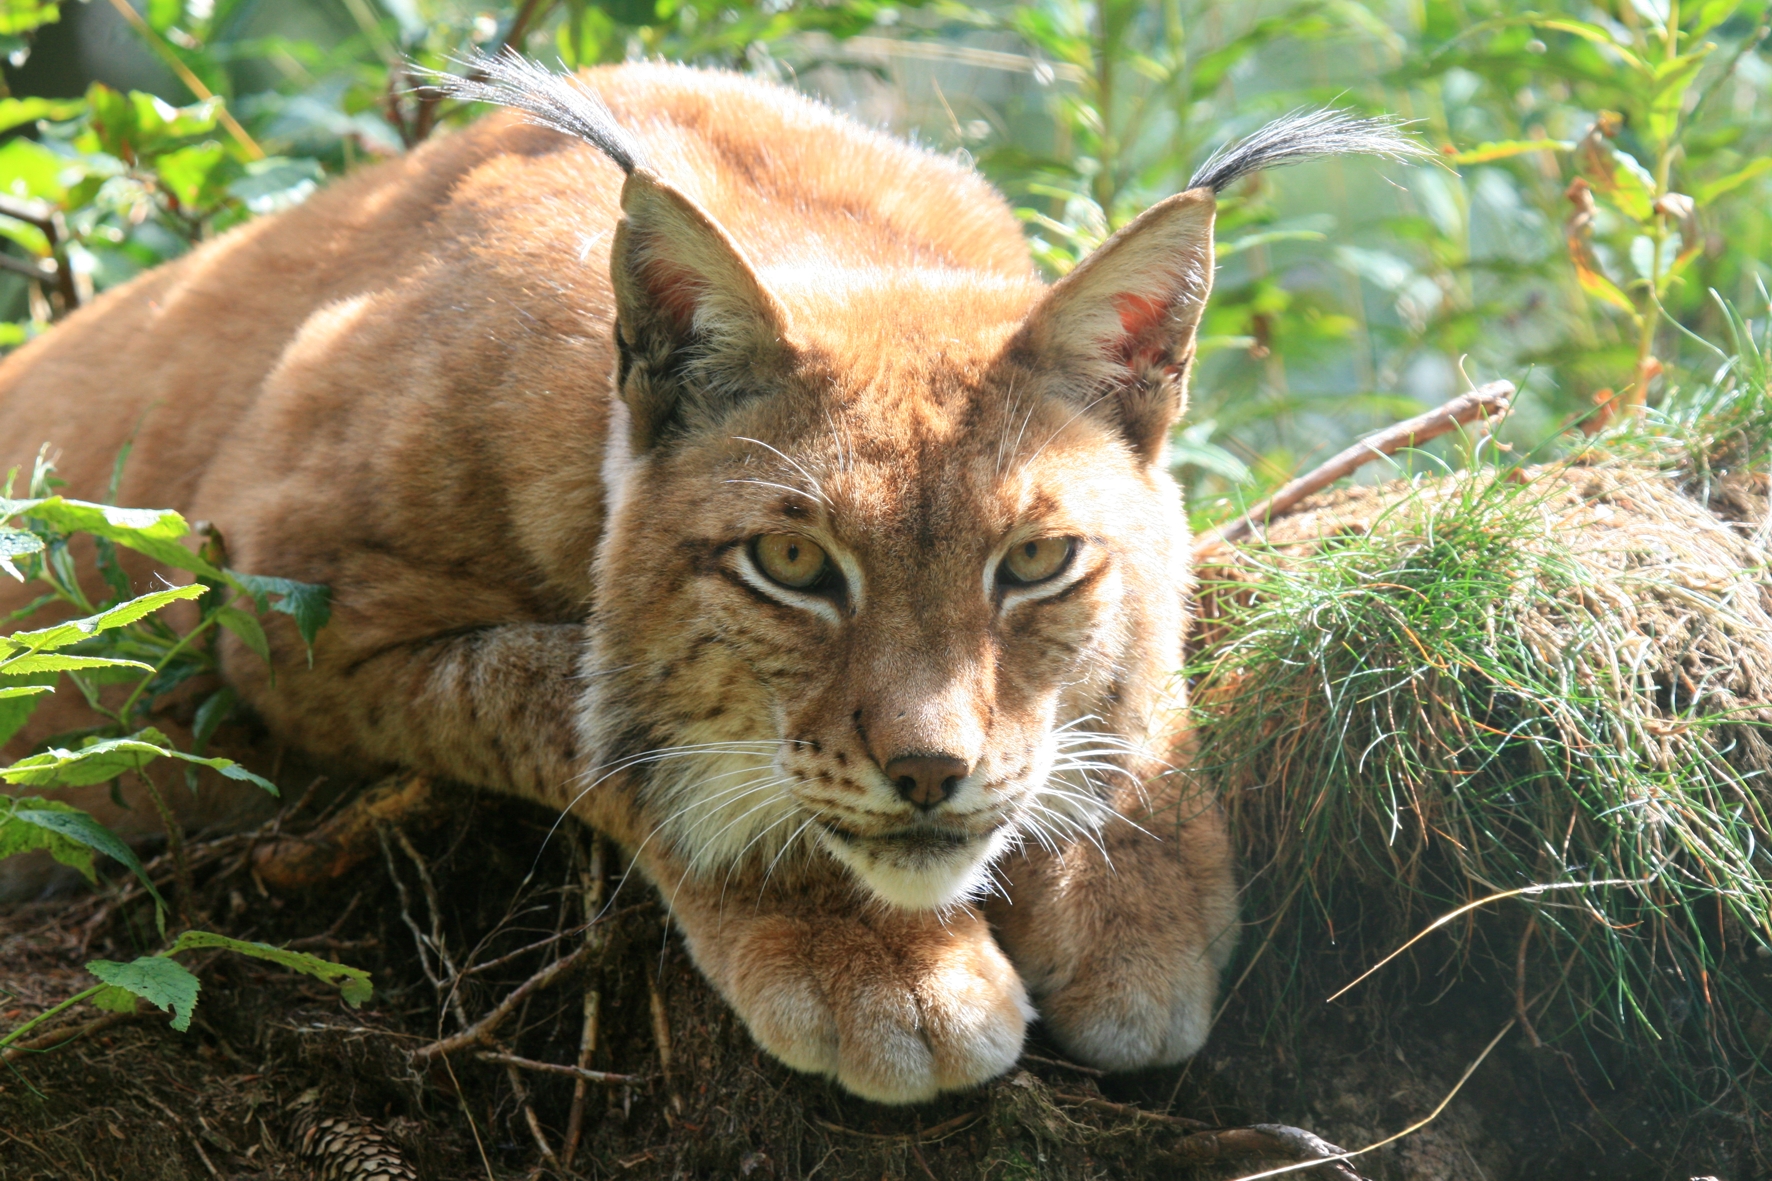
{"x": 926, "y": 780}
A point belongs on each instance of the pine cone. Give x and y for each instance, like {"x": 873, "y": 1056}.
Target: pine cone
{"x": 341, "y": 1148}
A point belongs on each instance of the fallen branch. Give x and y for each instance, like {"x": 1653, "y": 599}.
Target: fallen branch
{"x": 348, "y": 839}
{"x": 578, "y": 1072}
{"x": 1266, "y": 1142}
{"x": 1483, "y": 402}
{"x": 481, "y": 1030}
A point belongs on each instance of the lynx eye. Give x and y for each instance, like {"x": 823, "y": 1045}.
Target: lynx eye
{"x": 790, "y": 559}
{"x": 1037, "y": 560}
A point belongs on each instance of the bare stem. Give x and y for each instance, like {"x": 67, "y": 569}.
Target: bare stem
{"x": 1484, "y": 401}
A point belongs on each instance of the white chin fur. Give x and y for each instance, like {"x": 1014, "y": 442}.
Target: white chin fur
{"x": 913, "y": 882}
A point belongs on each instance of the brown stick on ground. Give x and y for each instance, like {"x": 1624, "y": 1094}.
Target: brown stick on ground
{"x": 1484, "y": 401}
{"x": 482, "y": 1030}
{"x": 349, "y": 838}
{"x": 1266, "y": 1142}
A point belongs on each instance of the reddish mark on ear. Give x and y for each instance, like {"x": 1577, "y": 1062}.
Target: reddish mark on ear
{"x": 1140, "y": 315}
{"x": 1142, "y": 318}
{"x": 674, "y": 291}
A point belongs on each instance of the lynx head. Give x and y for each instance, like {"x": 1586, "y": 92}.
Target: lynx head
{"x": 893, "y": 559}
{"x": 894, "y": 567}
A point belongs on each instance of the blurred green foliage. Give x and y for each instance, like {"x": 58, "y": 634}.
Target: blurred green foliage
{"x": 1605, "y": 165}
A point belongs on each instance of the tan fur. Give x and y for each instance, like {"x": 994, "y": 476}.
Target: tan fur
{"x": 402, "y": 389}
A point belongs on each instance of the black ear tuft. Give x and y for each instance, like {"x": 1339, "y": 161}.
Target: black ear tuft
{"x": 559, "y": 101}
{"x": 1306, "y": 135}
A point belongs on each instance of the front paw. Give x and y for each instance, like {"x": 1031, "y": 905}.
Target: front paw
{"x": 896, "y": 1007}
{"x": 1123, "y": 956}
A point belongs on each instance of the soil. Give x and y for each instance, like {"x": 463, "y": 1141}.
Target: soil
{"x": 270, "y": 1054}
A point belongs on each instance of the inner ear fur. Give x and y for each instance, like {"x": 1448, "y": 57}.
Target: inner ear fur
{"x": 698, "y": 331}
{"x": 1118, "y": 332}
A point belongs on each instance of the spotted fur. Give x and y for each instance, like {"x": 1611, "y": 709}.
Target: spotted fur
{"x": 525, "y": 411}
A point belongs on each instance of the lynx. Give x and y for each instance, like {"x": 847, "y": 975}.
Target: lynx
{"x": 693, "y": 459}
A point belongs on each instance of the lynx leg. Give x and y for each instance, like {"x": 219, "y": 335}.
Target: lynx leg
{"x": 897, "y": 1006}
{"x": 1122, "y": 945}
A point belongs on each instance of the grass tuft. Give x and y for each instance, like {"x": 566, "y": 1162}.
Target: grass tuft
{"x": 1547, "y": 688}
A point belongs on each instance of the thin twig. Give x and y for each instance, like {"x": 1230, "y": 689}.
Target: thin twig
{"x": 604, "y": 1077}
{"x": 1484, "y": 401}
{"x": 541, "y": 1139}
{"x": 1098, "y": 1104}
{"x": 1419, "y": 1124}
{"x": 1059, "y": 1062}
{"x": 1520, "y": 984}
{"x": 661, "y": 1034}
{"x": 481, "y": 1030}
{"x": 593, "y": 887}
{"x": 917, "y": 1152}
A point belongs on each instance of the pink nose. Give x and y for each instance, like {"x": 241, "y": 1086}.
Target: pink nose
{"x": 926, "y": 780}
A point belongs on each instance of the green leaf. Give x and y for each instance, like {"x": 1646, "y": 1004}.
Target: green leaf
{"x": 1598, "y": 36}
{"x": 21, "y": 16}
{"x": 163, "y": 14}
{"x": 210, "y": 715}
{"x": 28, "y": 169}
{"x": 277, "y": 183}
{"x": 46, "y": 662}
{"x": 15, "y": 112}
{"x": 16, "y": 543}
{"x": 107, "y": 759}
{"x": 19, "y": 699}
{"x": 247, "y": 628}
{"x": 1734, "y": 180}
{"x": 1248, "y": 241}
{"x": 112, "y": 999}
{"x": 164, "y": 983}
{"x": 60, "y": 826}
{"x": 154, "y": 532}
{"x": 75, "y": 630}
{"x": 1507, "y": 148}
{"x": 353, "y": 983}
{"x": 309, "y": 603}
{"x": 192, "y": 175}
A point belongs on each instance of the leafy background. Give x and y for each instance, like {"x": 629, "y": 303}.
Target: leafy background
{"x": 1604, "y": 166}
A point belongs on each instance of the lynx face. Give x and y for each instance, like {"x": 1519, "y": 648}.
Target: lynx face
{"x": 894, "y": 575}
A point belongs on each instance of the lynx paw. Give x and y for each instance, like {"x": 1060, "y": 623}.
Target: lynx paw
{"x": 1127, "y": 1012}
{"x": 897, "y": 1010}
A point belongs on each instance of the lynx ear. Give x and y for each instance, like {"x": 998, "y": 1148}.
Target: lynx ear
{"x": 698, "y": 331}
{"x": 1118, "y": 331}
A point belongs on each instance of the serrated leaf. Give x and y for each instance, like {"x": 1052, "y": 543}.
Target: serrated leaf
{"x": 66, "y": 824}
{"x": 154, "y": 532}
{"x": 353, "y": 983}
{"x": 308, "y": 603}
{"x": 55, "y": 662}
{"x": 16, "y": 543}
{"x": 210, "y": 715}
{"x": 164, "y": 983}
{"x": 112, "y": 999}
{"x": 59, "y": 767}
{"x": 18, "y": 701}
{"x": 248, "y": 629}
{"x": 228, "y": 768}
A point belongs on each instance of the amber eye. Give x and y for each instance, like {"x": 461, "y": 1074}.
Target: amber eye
{"x": 1037, "y": 560}
{"x": 790, "y": 559}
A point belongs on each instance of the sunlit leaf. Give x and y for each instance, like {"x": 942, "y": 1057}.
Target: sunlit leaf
{"x": 1507, "y": 149}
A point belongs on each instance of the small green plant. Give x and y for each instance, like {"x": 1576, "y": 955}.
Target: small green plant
{"x": 124, "y": 660}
